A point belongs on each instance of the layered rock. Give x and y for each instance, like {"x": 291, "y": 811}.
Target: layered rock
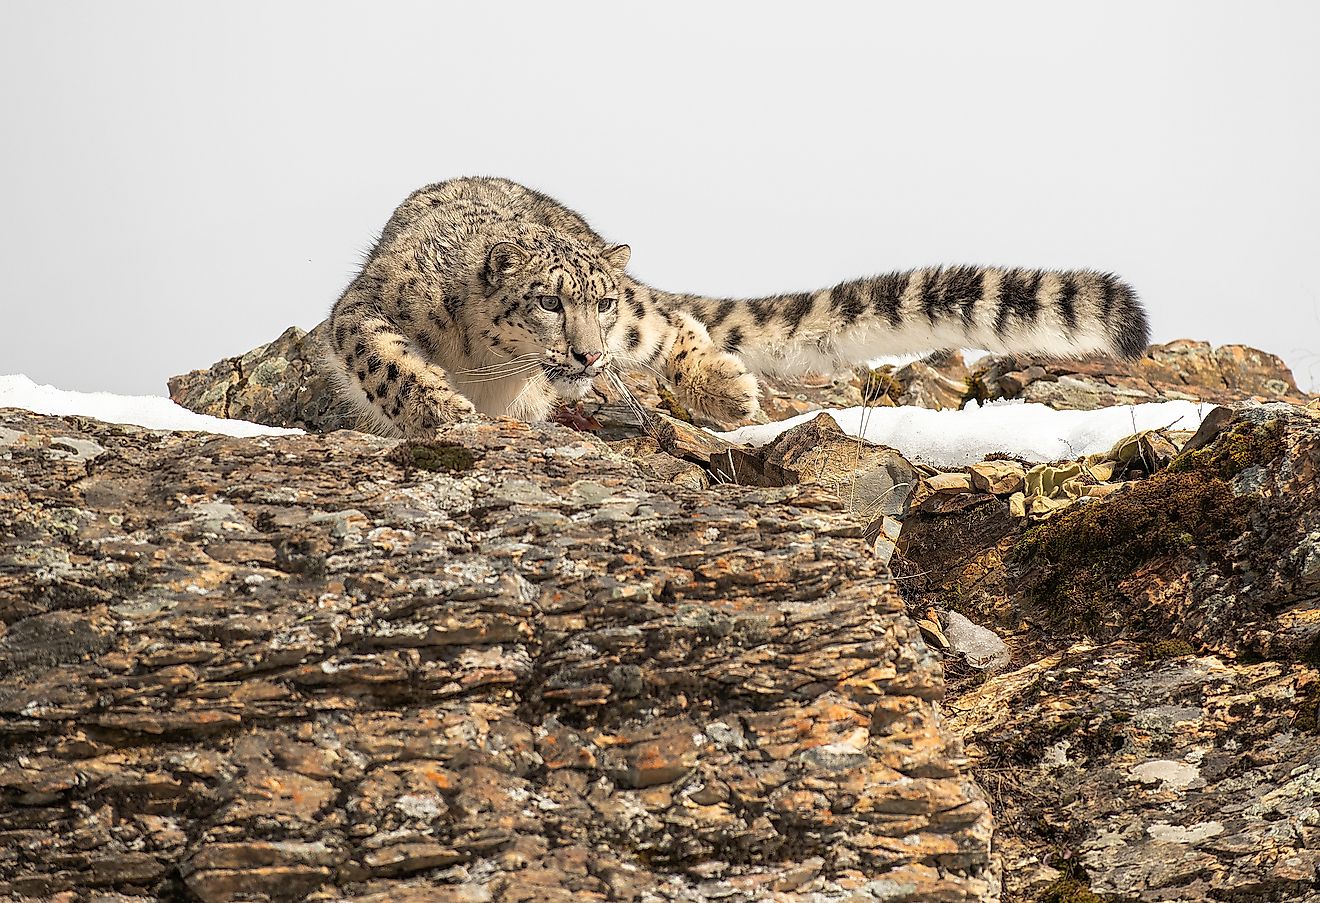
{"x": 277, "y": 384}
{"x": 504, "y": 667}
{"x": 1179, "y": 370}
{"x": 1156, "y": 730}
{"x": 1148, "y": 773}
{"x": 605, "y": 674}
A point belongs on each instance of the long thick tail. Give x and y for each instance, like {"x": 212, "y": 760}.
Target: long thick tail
{"x": 1006, "y": 310}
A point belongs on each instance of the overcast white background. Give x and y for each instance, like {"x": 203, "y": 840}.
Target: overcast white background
{"x": 181, "y": 181}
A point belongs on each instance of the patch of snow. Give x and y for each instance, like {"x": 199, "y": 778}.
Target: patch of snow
{"x": 150, "y": 411}
{"x": 1031, "y": 432}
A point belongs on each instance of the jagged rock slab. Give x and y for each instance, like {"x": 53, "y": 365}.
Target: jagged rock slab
{"x": 1174, "y": 756}
{"x": 1157, "y": 776}
{"x": 874, "y": 480}
{"x": 1178, "y": 370}
{"x": 1221, "y": 548}
{"x": 277, "y": 384}
{"x": 310, "y": 668}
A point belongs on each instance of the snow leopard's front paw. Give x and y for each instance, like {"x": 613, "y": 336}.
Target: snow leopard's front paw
{"x": 719, "y": 388}
{"x": 430, "y": 408}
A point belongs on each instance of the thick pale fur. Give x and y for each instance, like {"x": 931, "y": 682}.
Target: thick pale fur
{"x": 484, "y": 295}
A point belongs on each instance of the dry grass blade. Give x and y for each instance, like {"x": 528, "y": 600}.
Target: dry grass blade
{"x": 643, "y": 416}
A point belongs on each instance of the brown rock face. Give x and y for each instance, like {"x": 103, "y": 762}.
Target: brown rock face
{"x": 1156, "y": 773}
{"x": 1161, "y": 722}
{"x": 279, "y": 384}
{"x": 311, "y": 668}
{"x": 1182, "y": 369}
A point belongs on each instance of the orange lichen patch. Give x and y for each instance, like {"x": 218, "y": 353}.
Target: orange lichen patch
{"x": 801, "y": 802}
{"x": 828, "y": 721}
{"x": 206, "y": 575}
{"x": 370, "y": 704}
{"x": 441, "y": 779}
{"x": 745, "y": 570}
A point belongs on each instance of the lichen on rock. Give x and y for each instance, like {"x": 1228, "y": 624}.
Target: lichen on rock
{"x": 308, "y": 667}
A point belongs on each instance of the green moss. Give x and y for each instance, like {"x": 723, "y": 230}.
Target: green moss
{"x": 435, "y": 456}
{"x": 1235, "y": 450}
{"x": 673, "y": 407}
{"x": 1075, "y": 571}
{"x": 1072, "y": 567}
{"x": 1166, "y": 649}
{"x": 1067, "y": 890}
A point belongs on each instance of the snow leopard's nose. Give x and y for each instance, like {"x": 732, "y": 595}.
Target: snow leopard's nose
{"x": 586, "y": 358}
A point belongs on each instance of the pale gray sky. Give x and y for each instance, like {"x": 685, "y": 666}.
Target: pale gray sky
{"x": 181, "y": 181}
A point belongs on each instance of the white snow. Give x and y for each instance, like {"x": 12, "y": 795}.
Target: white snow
{"x": 150, "y": 411}
{"x": 1031, "y": 432}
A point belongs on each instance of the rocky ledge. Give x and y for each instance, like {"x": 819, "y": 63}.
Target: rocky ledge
{"x": 1150, "y": 731}
{"x": 639, "y": 663}
{"x": 504, "y": 667}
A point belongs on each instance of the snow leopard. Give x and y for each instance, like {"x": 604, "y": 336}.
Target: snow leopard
{"x": 483, "y": 295}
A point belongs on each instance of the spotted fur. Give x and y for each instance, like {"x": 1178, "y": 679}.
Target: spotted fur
{"x": 484, "y": 295}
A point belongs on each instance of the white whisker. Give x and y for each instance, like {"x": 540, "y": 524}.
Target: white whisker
{"x": 511, "y": 362}
{"x": 643, "y": 418}
{"x": 634, "y": 362}
{"x": 496, "y": 376}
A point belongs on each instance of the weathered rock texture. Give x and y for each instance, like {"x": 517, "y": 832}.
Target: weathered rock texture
{"x": 309, "y": 668}
{"x": 1179, "y": 370}
{"x": 1157, "y": 776}
{"x": 1156, "y": 738}
{"x": 277, "y": 384}
{"x": 295, "y": 667}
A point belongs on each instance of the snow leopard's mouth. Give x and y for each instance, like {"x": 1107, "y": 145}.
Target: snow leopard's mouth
{"x": 569, "y": 383}
{"x": 558, "y": 374}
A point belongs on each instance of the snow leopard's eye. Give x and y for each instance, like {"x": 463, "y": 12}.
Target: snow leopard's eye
{"x": 606, "y": 304}
{"x": 550, "y": 303}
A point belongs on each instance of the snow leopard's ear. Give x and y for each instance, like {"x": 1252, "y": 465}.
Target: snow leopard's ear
{"x": 505, "y": 259}
{"x": 617, "y": 256}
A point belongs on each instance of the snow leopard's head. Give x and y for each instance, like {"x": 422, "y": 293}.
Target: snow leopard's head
{"x": 552, "y": 303}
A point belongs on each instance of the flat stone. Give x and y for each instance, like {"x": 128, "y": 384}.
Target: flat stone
{"x": 998, "y": 477}
{"x": 950, "y": 482}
